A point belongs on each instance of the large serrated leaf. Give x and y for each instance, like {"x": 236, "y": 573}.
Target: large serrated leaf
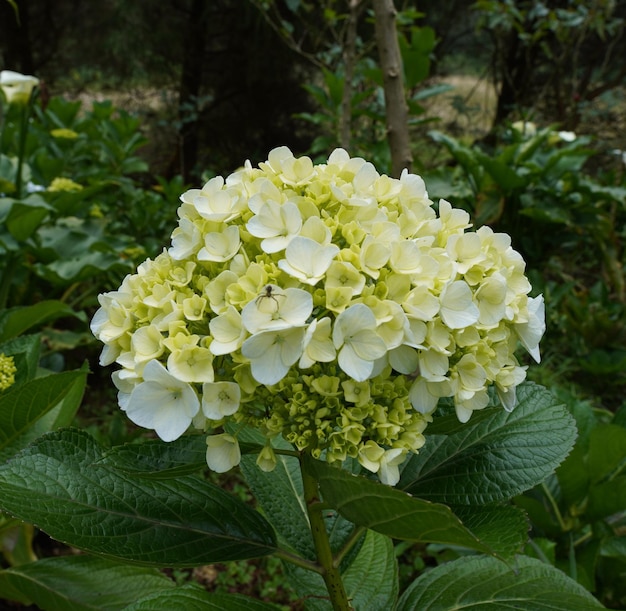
{"x": 61, "y": 484}
{"x": 370, "y": 581}
{"x": 482, "y": 583}
{"x": 280, "y": 495}
{"x": 159, "y": 459}
{"x": 501, "y": 527}
{"x": 193, "y": 598}
{"x": 80, "y": 583}
{"x": 395, "y": 513}
{"x": 495, "y": 457}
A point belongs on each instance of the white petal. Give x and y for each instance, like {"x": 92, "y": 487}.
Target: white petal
{"x": 458, "y": 309}
{"x": 358, "y": 369}
{"x": 531, "y": 332}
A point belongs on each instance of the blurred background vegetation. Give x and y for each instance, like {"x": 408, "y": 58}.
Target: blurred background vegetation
{"x": 517, "y": 114}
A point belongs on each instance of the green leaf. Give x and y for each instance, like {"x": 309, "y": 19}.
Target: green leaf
{"x": 503, "y": 175}
{"x": 464, "y": 155}
{"x": 494, "y": 456}
{"x": 335, "y": 84}
{"x": 25, "y": 352}
{"x": 371, "y": 580}
{"x": 22, "y": 405}
{"x": 615, "y": 547}
{"x": 26, "y": 216}
{"x": 81, "y": 267}
{"x": 607, "y": 452}
{"x": 80, "y": 583}
{"x": 63, "y": 484}
{"x": 607, "y": 499}
{"x": 159, "y": 459}
{"x": 501, "y": 527}
{"x": 194, "y": 598}
{"x": 486, "y": 583}
{"x": 15, "y": 321}
{"x": 393, "y": 512}
{"x": 280, "y": 495}
{"x": 62, "y": 414}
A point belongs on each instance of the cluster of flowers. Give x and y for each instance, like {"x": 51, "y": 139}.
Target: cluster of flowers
{"x": 324, "y": 303}
{"x": 7, "y": 371}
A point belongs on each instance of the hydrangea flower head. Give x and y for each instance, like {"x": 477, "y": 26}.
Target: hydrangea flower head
{"x": 326, "y": 304}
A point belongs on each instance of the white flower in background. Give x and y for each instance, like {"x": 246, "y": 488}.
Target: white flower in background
{"x": 567, "y": 136}
{"x": 17, "y": 88}
{"x": 526, "y": 128}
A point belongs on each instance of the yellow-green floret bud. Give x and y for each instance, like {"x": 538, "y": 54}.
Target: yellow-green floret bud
{"x": 7, "y": 371}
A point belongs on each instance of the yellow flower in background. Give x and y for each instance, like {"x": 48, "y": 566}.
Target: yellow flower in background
{"x": 64, "y": 133}
{"x": 7, "y": 371}
{"x": 17, "y": 88}
{"x": 64, "y": 184}
{"x": 326, "y": 304}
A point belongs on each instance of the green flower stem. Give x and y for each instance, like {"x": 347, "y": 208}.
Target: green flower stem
{"x": 555, "y": 507}
{"x": 330, "y": 567}
{"x": 25, "y": 114}
{"x": 11, "y": 261}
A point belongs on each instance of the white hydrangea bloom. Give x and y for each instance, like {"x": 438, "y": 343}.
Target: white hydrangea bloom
{"x": 325, "y": 303}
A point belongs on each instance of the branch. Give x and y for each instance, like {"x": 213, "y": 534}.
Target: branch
{"x": 396, "y": 108}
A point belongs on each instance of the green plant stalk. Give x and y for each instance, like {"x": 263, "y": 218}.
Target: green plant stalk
{"x": 555, "y": 507}
{"x": 10, "y": 263}
{"x": 330, "y": 568}
{"x": 11, "y": 260}
{"x": 25, "y": 114}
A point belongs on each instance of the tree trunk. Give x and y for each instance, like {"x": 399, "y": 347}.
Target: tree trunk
{"x": 349, "y": 59}
{"x": 396, "y": 108}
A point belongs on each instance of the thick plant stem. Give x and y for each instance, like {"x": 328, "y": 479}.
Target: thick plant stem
{"x": 330, "y": 570}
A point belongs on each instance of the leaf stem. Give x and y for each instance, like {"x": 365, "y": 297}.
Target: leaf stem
{"x": 287, "y": 556}
{"x": 330, "y": 567}
{"x": 349, "y": 544}
{"x": 554, "y": 505}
